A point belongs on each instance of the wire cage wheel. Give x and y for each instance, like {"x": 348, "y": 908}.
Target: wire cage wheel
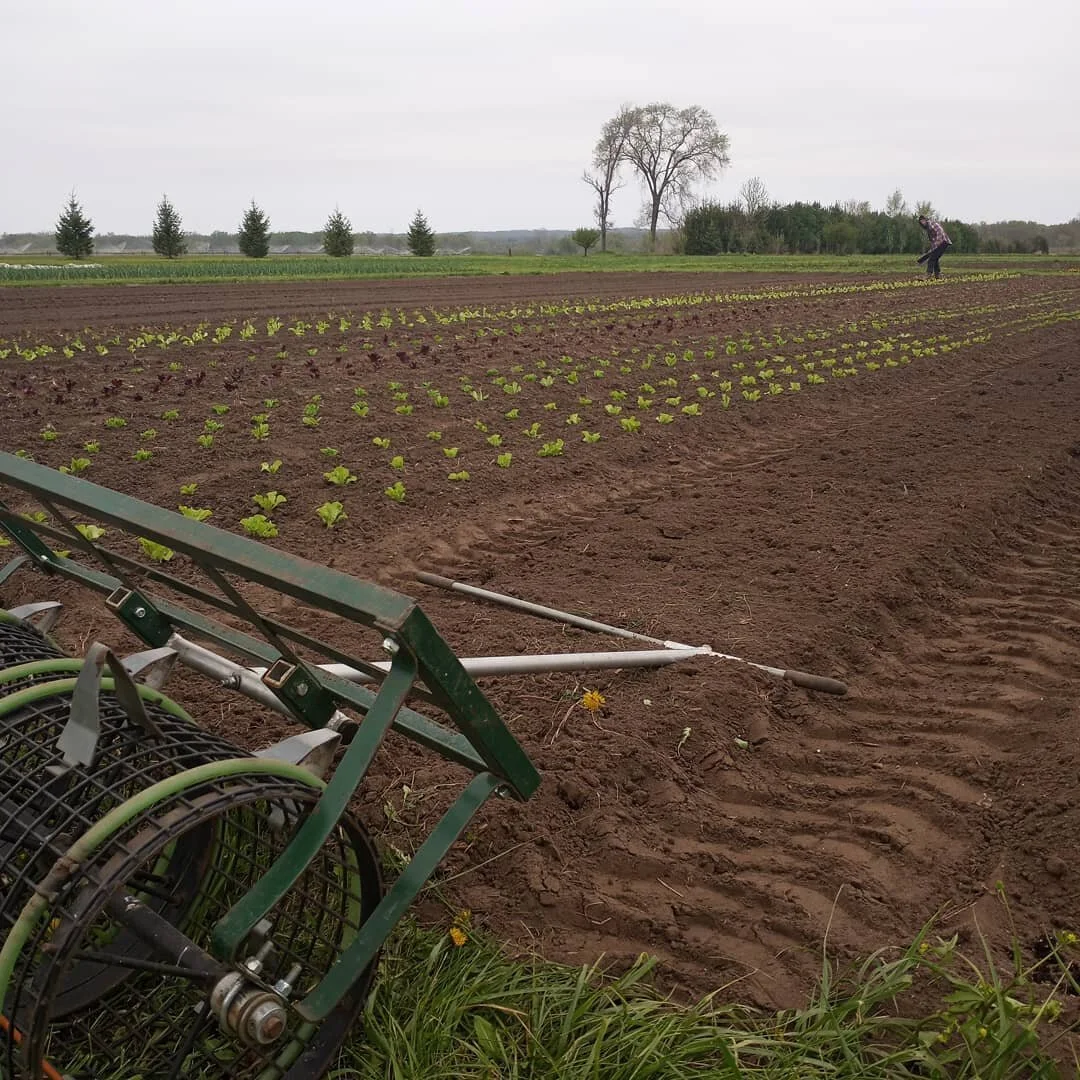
{"x": 182, "y": 824}
{"x": 88, "y": 999}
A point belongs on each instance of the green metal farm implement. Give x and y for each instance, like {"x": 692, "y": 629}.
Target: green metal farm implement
{"x": 174, "y": 906}
{"x": 171, "y": 906}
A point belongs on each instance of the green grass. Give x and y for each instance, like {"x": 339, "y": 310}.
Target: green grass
{"x": 111, "y": 269}
{"x": 439, "y": 1012}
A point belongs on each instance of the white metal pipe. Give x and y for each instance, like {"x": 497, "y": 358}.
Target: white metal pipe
{"x": 248, "y": 681}
{"x": 227, "y": 672}
{"x": 539, "y": 664}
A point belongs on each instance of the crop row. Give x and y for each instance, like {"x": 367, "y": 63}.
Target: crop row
{"x": 306, "y": 340}
{"x": 520, "y": 319}
{"x": 666, "y": 390}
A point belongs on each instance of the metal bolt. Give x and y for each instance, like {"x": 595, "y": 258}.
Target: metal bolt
{"x": 266, "y": 1022}
{"x": 284, "y": 987}
{"x": 139, "y": 613}
{"x": 391, "y": 646}
{"x": 301, "y": 689}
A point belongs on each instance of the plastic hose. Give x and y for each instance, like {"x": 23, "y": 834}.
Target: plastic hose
{"x": 39, "y": 667}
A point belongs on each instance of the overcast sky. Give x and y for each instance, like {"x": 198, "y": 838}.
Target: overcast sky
{"x": 485, "y": 113}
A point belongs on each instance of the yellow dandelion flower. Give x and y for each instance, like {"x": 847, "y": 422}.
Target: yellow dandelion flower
{"x": 457, "y": 936}
{"x": 593, "y": 700}
{"x": 464, "y": 916}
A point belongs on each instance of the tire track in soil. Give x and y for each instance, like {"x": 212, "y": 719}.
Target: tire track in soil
{"x": 867, "y": 815}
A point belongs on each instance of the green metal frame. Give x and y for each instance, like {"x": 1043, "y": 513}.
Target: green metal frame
{"x": 481, "y": 741}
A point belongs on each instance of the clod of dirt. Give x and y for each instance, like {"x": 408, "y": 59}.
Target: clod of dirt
{"x": 572, "y": 793}
{"x": 758, "y": 731}
{"x": 1056, "y": 867}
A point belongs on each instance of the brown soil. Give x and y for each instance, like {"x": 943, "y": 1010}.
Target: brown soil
{"x": 73, "y": 307}
{"x": 912, "y": 531}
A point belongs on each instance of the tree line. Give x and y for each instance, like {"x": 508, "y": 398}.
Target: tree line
{"x": 74, "y": 233}
{"x": 755, "y": 224}
{"x": 669, "y": 149}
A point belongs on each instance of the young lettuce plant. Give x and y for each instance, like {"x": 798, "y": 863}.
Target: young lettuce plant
{"x": 269, "y": 502}
{"x": 155, "y": 551}
{"x": 339, "y": 476}
{"x": 396, "y": 492}
{"x": 195, "y": 513}
{"x": 331, "y": 513}
{"x": 259, "y": 525}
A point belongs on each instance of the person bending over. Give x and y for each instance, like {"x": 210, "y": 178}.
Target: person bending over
{"x": 939, "y": 244}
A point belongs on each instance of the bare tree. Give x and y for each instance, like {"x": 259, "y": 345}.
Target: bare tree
{"x": 925, "y": 209}
{"x": 896, "y": 209}
{"x": 896, "y": 205}
{"x": 754, "y": 196}
{"x": 608, "y": 155}
{"x": 670, "y": 148}
{"x": 856, "y": 207}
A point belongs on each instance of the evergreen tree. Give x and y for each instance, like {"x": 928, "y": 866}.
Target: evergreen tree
{"x": 254, "y": 234}
{"x": 421, "y": 239}
{"x": 337, "y": 235}
{"x": 168, "y": 237}
{"x": 74, "y": 232}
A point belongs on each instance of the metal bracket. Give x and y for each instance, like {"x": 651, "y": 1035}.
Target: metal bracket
{"x": 152, "y": 667}
{"x": 302, "y": 691}
{"x": 78, "y": 741}
{"x": 8, "y": 569}
{"x": 139, "y": 616}
{"x": 42, "y": 616}
{"x": 311, "y": 750}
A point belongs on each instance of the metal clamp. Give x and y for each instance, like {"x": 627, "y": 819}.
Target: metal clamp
{"x": 302, "y": 691}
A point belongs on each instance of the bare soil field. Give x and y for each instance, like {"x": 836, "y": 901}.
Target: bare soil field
{"x": 908, "y": 521}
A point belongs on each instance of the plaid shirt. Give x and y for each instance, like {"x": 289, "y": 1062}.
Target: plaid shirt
{"x": 937, "y": 234}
